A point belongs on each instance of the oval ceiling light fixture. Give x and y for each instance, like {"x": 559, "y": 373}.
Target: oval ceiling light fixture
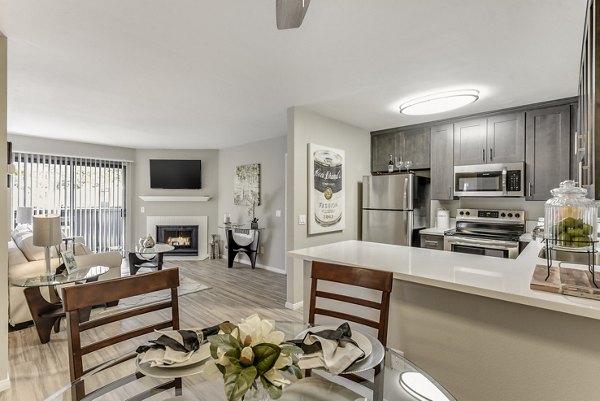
{"x": 439, "y": 102}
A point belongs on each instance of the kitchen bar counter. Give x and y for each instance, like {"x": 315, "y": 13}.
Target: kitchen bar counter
{"x": 474, "y": 324}
{"x": 503, "y": 279}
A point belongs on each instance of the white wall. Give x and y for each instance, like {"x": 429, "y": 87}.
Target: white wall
{"x": 270, "y": 154}
{"x": 210, "y": 187}
{"x": 306, "y": 127}
{"x": 4, "y": 380}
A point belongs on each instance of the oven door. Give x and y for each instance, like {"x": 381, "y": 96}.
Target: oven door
{"x": 485, "y": 247}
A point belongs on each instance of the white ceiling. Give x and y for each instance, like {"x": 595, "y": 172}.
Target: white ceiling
{"x": 214, "y": 74}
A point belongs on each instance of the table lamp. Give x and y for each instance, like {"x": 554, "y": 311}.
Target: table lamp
{"x": 24, "y": 215}
{"x": 46, "y": 233}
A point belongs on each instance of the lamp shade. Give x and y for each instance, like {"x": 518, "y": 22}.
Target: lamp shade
{"x": 46, "y": 230}
{"x": 24, "y": 215}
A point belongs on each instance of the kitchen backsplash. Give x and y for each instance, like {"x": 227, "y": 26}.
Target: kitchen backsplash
{"x": 533, "y": 209}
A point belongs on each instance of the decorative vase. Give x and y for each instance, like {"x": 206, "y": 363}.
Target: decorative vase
{"x": 256, "y": 394}
{"x": 149, "y": 242}
{"x": 254, "y": 225}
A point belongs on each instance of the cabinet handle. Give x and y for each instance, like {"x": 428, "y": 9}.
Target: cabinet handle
{"x": 491, "y": 157}
{"x": 483, "y": 155}
{"x": 580, "y": 172}
{"x": 529, "y": 189}
{"x": 431, "y": 243}
{"x": 449, "y": 192}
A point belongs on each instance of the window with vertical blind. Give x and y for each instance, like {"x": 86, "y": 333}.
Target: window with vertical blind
{"x": 88, "y": 194}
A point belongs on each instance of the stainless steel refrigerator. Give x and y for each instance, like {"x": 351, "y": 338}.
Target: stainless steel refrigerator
{"x": 392, "y": 208}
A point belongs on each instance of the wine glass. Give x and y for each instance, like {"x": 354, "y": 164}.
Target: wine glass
{"x": 408, "y": 164}
{"x": 399, "y": 163}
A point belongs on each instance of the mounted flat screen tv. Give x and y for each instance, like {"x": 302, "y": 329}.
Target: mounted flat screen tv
{"x": 175, "y": 174}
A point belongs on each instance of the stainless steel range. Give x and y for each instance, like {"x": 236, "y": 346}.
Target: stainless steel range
{"x": 486, "y": 232}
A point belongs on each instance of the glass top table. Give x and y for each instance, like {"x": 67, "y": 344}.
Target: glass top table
{"x": 147, "y": 257}
{"x": 400, "y": 380}
{"x": 46, "y": 315}
{"x": 80, "y": 274}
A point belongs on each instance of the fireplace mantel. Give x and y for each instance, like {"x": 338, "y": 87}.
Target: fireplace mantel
{"x": 154, "y": 198}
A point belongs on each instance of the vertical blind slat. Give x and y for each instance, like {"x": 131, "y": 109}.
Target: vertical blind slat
{"x": 87, "y": 193}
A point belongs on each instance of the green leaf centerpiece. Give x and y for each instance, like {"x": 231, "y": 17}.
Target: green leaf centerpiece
{"x": 252, "y": 354}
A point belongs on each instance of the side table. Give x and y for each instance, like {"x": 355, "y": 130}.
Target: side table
{"x": 147, "y": 257}
{"x": 47, "y": 314}
{"x": 248, "y": 242}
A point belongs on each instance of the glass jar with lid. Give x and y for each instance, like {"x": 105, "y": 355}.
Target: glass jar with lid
{"x": 570, "y": 218}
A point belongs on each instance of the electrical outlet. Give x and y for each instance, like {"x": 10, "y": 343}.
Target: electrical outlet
{"x": 302, "y": 219}
{"x": 142, "y": 209}
{"x": 277, "y": 213}
{"x": 262, "y": 249}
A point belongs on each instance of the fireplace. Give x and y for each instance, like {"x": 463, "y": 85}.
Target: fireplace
{"x": 183, "y": 238}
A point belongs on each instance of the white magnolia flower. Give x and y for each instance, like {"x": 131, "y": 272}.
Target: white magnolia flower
{"x": 246, "y": 356}
{"x": 282, "y": 362}
{"x": 276, "y": 378}
{"x": 253, "y": 331}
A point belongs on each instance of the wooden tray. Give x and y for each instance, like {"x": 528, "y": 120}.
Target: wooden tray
{"x": 567, "y": 281}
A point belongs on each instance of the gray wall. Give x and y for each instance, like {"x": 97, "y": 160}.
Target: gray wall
{"x": 306, "y": 127}
{"x": 270, "y": 154}
{"x": 4, "y": 222}
{"x": 141, "y": 186}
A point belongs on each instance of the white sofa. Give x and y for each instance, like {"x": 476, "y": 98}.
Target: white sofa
{"x": 26, "y": 260}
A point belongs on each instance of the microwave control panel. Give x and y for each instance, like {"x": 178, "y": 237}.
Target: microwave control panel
{"x": 513, "y": 180}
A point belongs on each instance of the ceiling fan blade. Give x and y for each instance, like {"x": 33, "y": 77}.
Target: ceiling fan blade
{"x": 290, "y": 13}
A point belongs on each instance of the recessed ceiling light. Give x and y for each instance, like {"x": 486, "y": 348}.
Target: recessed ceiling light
{"x": 439, "y": 102}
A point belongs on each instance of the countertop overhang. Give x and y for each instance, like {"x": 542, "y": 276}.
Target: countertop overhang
{"x": 486, "y": 276}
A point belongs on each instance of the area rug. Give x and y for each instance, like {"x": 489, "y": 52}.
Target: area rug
{"x": 186, "y": 286}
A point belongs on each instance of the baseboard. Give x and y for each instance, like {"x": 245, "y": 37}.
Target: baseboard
{"x": 296, "y": 306}
{"x": 261, "y": 266}
{"x": 5, "y": 384}
{"x": 182, "y": 257}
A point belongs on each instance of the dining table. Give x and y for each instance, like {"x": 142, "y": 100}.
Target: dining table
{"x": 395, "y": 378}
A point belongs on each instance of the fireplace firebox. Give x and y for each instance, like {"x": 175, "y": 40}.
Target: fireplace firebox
{"x": 183, "y": 238}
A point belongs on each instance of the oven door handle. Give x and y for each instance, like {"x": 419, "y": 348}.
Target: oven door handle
{"x": 504, "y": 186}
{"x": 480, "y": 245}
{"x": 483, "y": 243}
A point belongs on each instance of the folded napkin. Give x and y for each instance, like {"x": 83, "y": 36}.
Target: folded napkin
{"x": 333, "y": 350}
{"x": 174, "y": 346}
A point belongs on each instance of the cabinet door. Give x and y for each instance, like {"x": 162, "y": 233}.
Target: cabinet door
{"x": 547, "y": 150}
{"x": 506, "y": 138}
{"x": 442, "y": 166}
{"x": 470, "y": 142}
{"x": 382, "y": 146}
{"x": 417, "y": 144}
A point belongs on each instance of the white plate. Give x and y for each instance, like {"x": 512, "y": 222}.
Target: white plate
{"x": 373, "y": 349}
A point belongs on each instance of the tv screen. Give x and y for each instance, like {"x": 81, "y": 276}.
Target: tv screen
{"x": 175, "y": 174}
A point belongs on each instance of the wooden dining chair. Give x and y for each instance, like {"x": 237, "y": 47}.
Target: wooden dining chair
{"x": 379, "y": 281}
{"x": 81, "y": 297}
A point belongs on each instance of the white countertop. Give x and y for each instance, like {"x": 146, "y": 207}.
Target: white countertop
{"x": 504, "y": 279}
{"x": 433, "y": 231}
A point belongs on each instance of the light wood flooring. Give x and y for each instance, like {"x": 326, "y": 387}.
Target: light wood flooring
{"x": 37, "y": 370}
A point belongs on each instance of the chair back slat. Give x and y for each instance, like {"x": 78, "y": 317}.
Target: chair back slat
{"x": 350, "y": 300}
{"x": 80, "y": 296}
{"x": 124, "y": 315}
{"x": 347, "y": 316}
{"x": 124, "y": 337}
{"x": 352, "y": 275}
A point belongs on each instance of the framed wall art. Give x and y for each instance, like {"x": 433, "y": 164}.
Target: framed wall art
{"x": 246, "y": 185}
{"x": 326, "y": 189}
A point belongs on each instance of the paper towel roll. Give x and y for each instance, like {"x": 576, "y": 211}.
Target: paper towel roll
{"x": 443, "y": 219}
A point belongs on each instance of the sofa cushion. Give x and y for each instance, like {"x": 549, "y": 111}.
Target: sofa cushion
{"x": 15, "y": 256}
{"x": 24, "y": 241}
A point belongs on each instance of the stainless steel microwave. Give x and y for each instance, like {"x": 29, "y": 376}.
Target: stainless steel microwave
{"x": 500, "y": 179}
